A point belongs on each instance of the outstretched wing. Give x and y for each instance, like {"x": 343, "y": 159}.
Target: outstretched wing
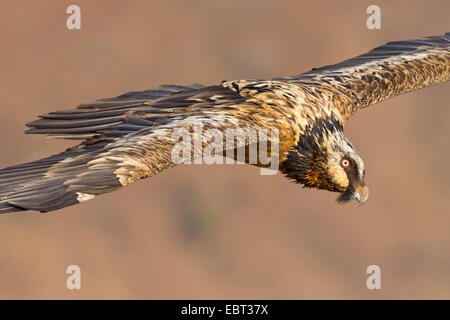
{"x": 384, "y": 72}
{"x": 129, "y": 138}
{"x": 118, "y": 115}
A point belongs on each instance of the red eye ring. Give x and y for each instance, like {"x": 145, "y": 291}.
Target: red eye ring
{"x": 345, "y": 163}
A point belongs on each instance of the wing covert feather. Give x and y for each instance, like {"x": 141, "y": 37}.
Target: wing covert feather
{"x": 389, "y": 70}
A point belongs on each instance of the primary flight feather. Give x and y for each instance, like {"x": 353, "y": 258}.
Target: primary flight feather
{"x": 130, "y": 137}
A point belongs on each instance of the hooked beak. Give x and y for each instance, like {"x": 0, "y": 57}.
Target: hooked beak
{"x": 361, "y": 194}
{"x": 357, "y": 191}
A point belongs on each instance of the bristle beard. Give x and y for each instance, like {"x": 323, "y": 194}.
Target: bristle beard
{"x": 345, "y": 197}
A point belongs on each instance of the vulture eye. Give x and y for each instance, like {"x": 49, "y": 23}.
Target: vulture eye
{"x": 345, "y": 163}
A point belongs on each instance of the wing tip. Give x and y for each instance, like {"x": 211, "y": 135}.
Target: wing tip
{"x": 6, "y": 207}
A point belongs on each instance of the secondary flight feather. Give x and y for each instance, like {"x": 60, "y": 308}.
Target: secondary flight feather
{"x": 130, "y": 137}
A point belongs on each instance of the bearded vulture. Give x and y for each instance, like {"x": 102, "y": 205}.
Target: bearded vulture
{"x": 131, "y": 137}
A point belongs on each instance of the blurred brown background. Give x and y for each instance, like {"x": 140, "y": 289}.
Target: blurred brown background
{"x": 225, "y": 231}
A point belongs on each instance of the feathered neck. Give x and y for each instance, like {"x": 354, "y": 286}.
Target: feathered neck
{"x": 307, "y": 162}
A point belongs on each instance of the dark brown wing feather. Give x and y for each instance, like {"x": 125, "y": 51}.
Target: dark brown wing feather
{"x": 130, "y": 138}
{"x": 384, "y": 72}
{"x": 45, "y": 185}
{"x": 117, "y": 152}
{"x": 93, "y": 118}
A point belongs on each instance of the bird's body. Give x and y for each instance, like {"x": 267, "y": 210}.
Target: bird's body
{"x": 130, "y": 137}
